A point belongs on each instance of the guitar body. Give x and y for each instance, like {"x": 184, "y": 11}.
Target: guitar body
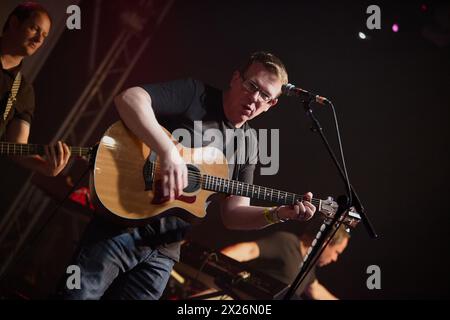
{"x": 123, "y": 177}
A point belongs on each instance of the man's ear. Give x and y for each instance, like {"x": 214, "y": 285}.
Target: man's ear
{"x": 271, "y": 104}
{"x": 274, "y": 102}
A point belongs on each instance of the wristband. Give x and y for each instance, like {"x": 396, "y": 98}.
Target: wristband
{"x": 269, "y": 215}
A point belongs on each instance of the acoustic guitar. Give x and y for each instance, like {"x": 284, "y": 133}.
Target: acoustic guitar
{"x": 127, "y": 183}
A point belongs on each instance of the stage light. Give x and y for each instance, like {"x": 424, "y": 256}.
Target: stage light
{"x": 395, "y": 27}
{"x": 362, "y": 36}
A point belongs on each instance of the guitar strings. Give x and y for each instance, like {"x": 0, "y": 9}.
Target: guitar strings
{"x": 26, "y": 146}
{"x": 198, "y": 177}
{"x": 23, "y": 147}
{"x": 195, "y": 176}
{"x": 192, "y": 175}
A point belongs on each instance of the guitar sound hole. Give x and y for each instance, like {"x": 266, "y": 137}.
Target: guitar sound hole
{"x": 194, "y": 179}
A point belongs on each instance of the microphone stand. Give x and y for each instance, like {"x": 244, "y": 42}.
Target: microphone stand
{"x": 318, "y": 245}
{"x": 356, "y": 202}
{"x": 344, "y": 203}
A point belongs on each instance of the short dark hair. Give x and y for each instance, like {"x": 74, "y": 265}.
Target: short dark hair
{"x": 270, "y": 61}
{"x": 24, "y": 11}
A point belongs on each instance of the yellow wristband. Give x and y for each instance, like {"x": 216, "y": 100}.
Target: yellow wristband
{"x": 268, "y": 215}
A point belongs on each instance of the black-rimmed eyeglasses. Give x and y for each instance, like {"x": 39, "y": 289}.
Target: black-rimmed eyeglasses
{"x": 252, "y": 87}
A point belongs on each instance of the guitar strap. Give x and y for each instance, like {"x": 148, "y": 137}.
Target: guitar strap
{"x": 11, "y": 100}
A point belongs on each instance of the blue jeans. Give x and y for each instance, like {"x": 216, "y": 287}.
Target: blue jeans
{"x": 119, "y": 266}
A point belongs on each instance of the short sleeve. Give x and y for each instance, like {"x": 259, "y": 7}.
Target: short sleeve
{"x": 172, "y": 98}
{"x": 246, "y": 173}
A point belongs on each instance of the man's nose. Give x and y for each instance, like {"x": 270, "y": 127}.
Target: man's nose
{"x": 39, "y": 38}
{"x": 255, "y": 96}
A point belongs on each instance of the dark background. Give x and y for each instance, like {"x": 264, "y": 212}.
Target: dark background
{"x": 391, "y": 94}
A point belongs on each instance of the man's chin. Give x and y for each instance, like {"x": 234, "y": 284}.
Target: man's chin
{"x": 241, "y": 118}
{"x": 246, "y": 117}
{"x": 28, "y": 51}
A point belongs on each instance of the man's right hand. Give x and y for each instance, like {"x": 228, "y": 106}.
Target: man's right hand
{"x": 174, "y": 174}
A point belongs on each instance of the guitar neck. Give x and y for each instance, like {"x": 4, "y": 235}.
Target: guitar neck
{"x": 239, "y": 188}
{"x": 20, "y": 149}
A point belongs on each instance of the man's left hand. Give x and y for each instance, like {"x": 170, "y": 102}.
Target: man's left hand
{"x": 56, "y": 158}
{"x": 302, "y": 211}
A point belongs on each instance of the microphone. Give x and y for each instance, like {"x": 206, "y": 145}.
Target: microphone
{"x": 291, "y": 90}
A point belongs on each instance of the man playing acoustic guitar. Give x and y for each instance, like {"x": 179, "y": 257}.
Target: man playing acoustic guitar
{"x": 135, "y": 262}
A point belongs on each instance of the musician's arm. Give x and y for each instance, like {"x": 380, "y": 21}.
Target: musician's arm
{"x": 18, "y": 131}
{"x": 244, "y": 251}
{"x": 317, "y": 291}
{"x": 238, "y": 214}
{"x": 135, "y": 109}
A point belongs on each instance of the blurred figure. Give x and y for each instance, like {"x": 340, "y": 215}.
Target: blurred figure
{"x": 23, "y": 34}
{"x": 280, "y": 253}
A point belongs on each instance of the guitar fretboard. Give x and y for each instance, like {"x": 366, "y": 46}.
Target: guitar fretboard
{"x": 19, "y": 149}
{"x": 239, "y": 188}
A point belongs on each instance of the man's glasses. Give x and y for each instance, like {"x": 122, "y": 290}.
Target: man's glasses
{"x": 252, "y": 87}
